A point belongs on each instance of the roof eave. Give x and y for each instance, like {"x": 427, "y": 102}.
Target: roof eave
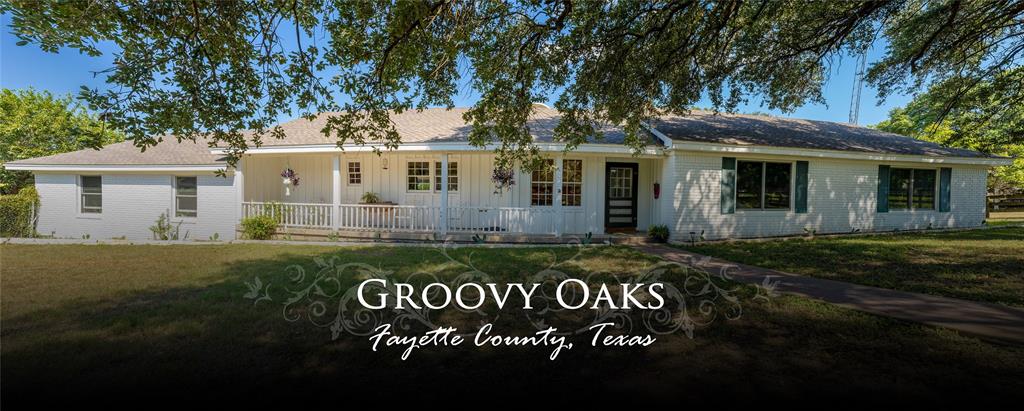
{"x": 838, "y": 154}
{"x": 595, "y": 148}
{"x": 117, "y": 167}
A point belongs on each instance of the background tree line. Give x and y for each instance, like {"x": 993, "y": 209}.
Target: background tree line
{"x": 36, "y": 123}
{"x": 983, "y": 121}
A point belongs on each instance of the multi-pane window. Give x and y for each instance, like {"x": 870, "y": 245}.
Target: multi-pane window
{"x": 621, "y": 182}
{"x": 763, "y": 185}
{"x": 542, "y": 184}
{"x": 355, "y": 173}
{"x": 418, "y": 176}
{"x": 572, "y": 183}
{"x": 453, "y": 176}
{"x": 92, "y": 194}
{"x": 186, "y": 197}
{"x": 911, "y": 189}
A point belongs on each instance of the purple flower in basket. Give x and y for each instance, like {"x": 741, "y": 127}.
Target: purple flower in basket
{"x": 290, "y": 176}
{"x": 503, "y": 178}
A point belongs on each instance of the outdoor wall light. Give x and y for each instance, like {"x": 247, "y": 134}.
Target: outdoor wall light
{"x": 384, "y": 163}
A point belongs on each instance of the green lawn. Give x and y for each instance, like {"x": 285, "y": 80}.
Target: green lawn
{"x": 982, "y": 265}
{"x": 90, "y": 320}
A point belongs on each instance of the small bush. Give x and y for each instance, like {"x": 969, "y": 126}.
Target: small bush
{"x": 274, "y": 210}
{"x": 658, "y": 233}
{"x": 259, "y": 227}
{"x": 17, "y": 213}
{"x": 165, "y": 230}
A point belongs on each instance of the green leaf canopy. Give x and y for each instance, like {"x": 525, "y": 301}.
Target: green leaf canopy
{"x": 218, "y": 67}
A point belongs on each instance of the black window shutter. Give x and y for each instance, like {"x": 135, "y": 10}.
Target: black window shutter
{"x": 728, "y": 185}
{"x": 801, "y": 187}
{"x": 883, "y": 189}
{"x": 945, "y": 180}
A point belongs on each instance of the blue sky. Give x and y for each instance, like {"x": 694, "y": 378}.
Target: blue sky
{"x": 67, "y": 71}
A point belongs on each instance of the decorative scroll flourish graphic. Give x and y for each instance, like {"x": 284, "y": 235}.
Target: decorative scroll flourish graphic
{"x": 328, "y": 296}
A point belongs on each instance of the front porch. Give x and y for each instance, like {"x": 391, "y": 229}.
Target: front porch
{"x": 411, "y": 219}
{"x": 413, "y": 201}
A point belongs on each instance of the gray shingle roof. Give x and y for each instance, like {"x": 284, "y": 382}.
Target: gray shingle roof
{"x": 168, "y": 152}
{"x": 432, "y": 125}
{"x": 442, "y": 125}
{"x": 429, "y": 125}
{"x": 739, "y": 129}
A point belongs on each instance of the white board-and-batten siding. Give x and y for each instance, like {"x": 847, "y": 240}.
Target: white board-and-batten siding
{"x": 841, "y": 199}
{"x": 131, "y": 204}
{"x": 386, "y": 175}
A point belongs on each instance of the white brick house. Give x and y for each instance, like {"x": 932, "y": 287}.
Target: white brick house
{"x": 726, "y": 176}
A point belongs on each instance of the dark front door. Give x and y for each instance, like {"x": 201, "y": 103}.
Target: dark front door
{"x": 620, "y": 196}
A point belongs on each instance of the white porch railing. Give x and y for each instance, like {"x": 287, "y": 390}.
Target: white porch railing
{"x": 406, "y": 218}
{"x": 301, "y": 215}
{"x": 388, "y": 217}
{"x": 515, "y": 220}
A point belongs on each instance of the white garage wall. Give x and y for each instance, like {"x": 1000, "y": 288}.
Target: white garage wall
{"x": 131, "y": 204}
{"x": 841, "y": 198}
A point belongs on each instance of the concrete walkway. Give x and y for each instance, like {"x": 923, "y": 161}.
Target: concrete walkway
{"x": 989, "y": 321}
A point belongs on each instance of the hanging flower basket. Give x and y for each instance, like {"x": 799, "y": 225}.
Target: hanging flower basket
{"x": 503, "y": 179}
{"x": 289, "y": 178}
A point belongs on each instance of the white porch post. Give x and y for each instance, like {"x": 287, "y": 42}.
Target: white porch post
{"x": 443, "y": 226}
{"x": 239, "y": 190}
{"x": 335, "y": 193}
{"x": 557, "y": 201}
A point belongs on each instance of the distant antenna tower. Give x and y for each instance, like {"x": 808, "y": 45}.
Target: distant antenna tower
{"x": 858, "y": 84}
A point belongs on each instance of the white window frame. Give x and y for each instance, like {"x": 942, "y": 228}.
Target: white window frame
{"x": 583, "y": 166}
{"x": 357, "y": 174}
{"x": 764, "y": 181}
{"x": 82, "y": 194}
{"x": 429, "y": 175}
{"x": 176, "y": 195}
{"x": 545, "y": 182}
{"x": 580, "y": 183}
{"x": 436, "y": 177}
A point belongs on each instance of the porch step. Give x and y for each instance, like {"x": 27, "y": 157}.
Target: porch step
{"x": 629, "y": 239}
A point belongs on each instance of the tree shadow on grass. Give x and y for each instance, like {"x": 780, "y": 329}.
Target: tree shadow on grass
{"x": 977, "y": 265}
{"x": 210, "y": 342}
